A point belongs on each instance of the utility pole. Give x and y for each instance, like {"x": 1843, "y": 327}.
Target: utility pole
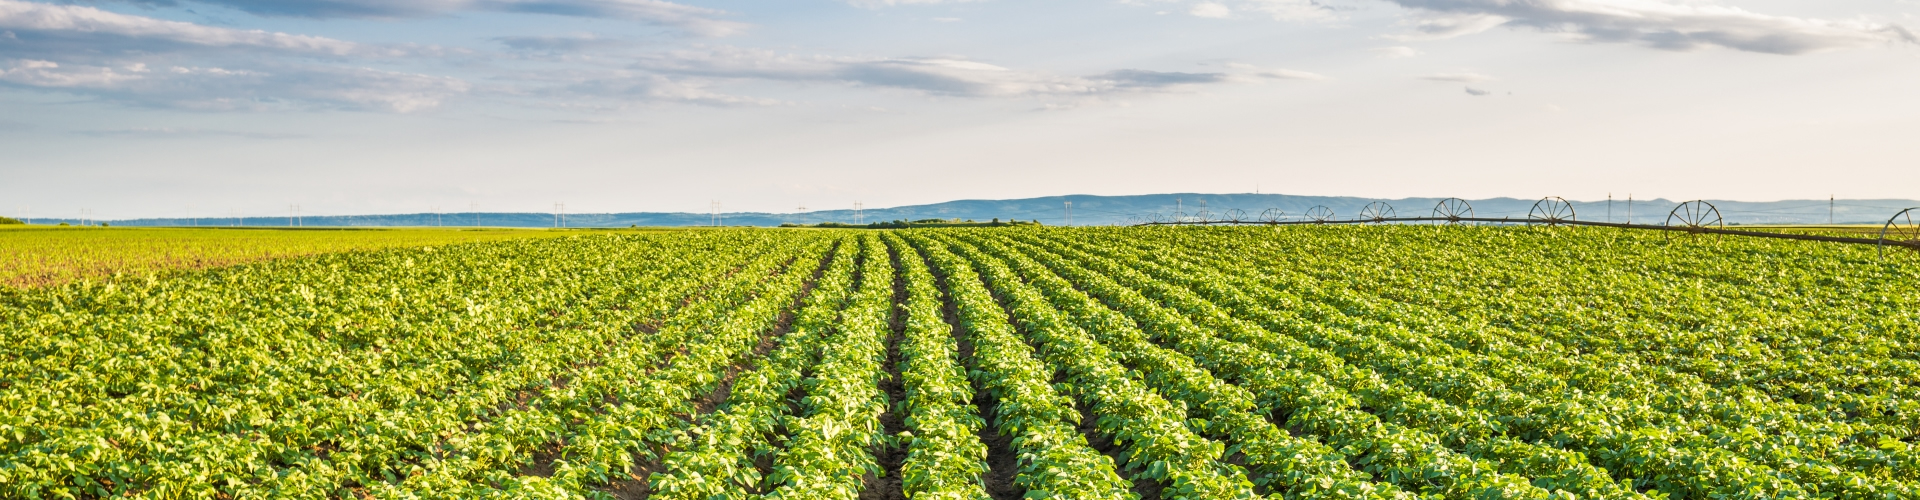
{"x": 473, "y": 213}
{"x": 436, "y": 216}
{"x": 1069, "y": 213}
{"x": 1629, "y": 208}
{"x": 859, "y": 213}
{"x": 289, "y": 215}
{"x": 1829, "y": 209}
{"x": 1179, "y": 214}
{"x": 1609, "y": 207}
{"x": 801, "y": 213}
{"x": 560, "y": 215}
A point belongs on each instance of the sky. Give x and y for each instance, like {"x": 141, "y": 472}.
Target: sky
{"x": 170, "y": 108}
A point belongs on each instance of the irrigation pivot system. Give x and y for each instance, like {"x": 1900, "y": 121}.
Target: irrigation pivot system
{"x": 1378, "y": 211}
{"x": 1900, "y": 231}
{"x": 1322, "y": 215}
{"x": 1552, "y": 211}
{"x": 1453, "y": 210}
{"x": 1694, "y": 218}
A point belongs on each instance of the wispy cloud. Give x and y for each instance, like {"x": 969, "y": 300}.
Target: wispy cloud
{"x": 943, "y": 76}
{"x": 154, "y": 62}
{"x": 1478, "y": 92}
{"x": 892, "y": 3}
{"x": 173, "y": 132}
{"x": 30, "y": 24}
{"x": 1283, "y": 10}
{"x": 1142, "y": 79}
{"x": 1400, "y": 52}
{"x": 1465, "y": 77}
{"x": 1664, "y": 24}
{"x": 1274, "y": 74}
{"x": 696, "y": 20}
{"x": 1291, "y": 10}
{"x": 146, "y": 61}
{"x": 218, "y": 89}
{"x": 578, "y": 43}
{"x": 1214, "y": 10}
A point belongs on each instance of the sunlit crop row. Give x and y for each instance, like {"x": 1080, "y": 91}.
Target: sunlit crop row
{"x": 1395, "y": 362}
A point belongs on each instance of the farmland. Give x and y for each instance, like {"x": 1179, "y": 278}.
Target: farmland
{"x": 1384, "y": 362}
{"x": 44, "y": 255}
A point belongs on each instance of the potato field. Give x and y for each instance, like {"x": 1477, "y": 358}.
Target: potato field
{"x": 1382, "y": 362}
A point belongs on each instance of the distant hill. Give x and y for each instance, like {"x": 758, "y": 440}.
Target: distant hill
{"x": 1093, "y": 210}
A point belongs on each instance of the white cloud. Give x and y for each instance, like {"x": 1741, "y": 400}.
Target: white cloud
{"x": 1210, "y": 10}
{"x": 214, "y": 88}
{"x": 172, "y": 132}
{"x": 154, "y": 62}
{"x": 1477, "y": 92}
{"x": 872, "y": 4}
{"x": 1282, "y": 10}
{"x": 1398, "y": 52}
{"x": 1275, "y": 74}
{"x": 625, "y": 89}
{"x": 696, "y": 20}
{"x": 51, "y": 74}
{"x": 1467, "y": 77}
{"x": 941, "y": 76}
{"x": 77, "y": 21}
{"x": 1287, "y": 74}
{"x": 1664, "y": 24}
{"x": 1291, "y": 10}
{"x": 578, "y": 43}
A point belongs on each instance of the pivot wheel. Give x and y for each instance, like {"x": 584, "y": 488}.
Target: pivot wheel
{"x": 1273, "y": 215}
{"x": 1551, "y": 211}
{"x": 1320, "y": 214}
{"x": 1453, "y": 209}
{"x": 1900, "y": 231}
{"x": 1378, "y": 211}
{"x": 1694, "y": 217}
{"x": 1234, "y": 215}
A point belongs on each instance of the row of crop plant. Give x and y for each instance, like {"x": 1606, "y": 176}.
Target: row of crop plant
{"x": 1110, "y": 363}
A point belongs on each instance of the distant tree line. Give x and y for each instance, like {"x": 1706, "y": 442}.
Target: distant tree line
{"x": 10, "y": 220}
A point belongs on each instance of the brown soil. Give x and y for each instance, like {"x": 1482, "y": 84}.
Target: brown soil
{"x": 890, "y": 454}
{"x": 1003, "y": 462}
